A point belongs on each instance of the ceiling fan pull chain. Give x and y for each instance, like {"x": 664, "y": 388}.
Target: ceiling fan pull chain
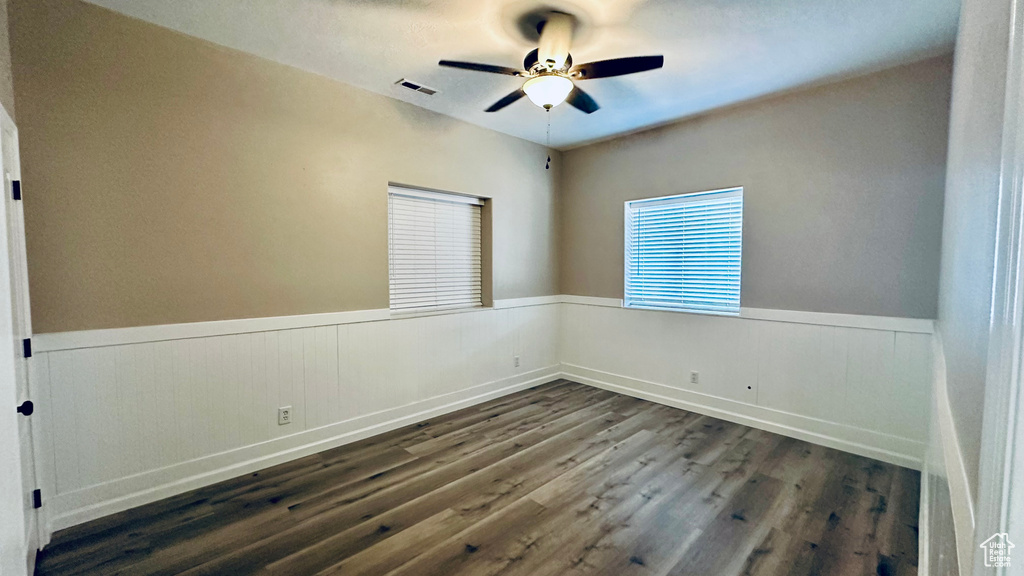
{"x": 548, "y": 165}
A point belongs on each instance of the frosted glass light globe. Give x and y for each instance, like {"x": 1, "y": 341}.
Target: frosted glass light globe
{"x": 548, "y": 91}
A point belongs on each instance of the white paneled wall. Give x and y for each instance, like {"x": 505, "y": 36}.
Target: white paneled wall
{"x": 138, "y": 414}
{"x": 137, "y": 421}
{"x": 863, "y": 390}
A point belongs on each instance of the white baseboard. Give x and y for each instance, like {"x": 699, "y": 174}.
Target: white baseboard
{"x": 124, "y": 493}
{"x": 884, "y": 447}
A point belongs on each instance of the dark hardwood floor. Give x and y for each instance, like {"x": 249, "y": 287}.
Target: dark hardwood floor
{"x": 562, "y": 479}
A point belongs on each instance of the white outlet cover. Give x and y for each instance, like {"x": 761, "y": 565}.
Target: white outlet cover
{"x": 694, "y": 377}
{"x": 284, "y": 415}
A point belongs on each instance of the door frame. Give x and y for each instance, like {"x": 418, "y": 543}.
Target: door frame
{"x": 15, "y": 558}
{"x": 42, "y": 447}
{"x": 1001, "y": 464}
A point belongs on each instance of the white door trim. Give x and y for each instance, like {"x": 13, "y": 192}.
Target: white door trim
{"x": 19, "y": 270}
{"x": 1000, "y": 485}
{"x": 20, "y": 529}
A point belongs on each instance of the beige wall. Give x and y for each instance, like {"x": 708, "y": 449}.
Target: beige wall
{"x": 171, "y": 180}
{"x": 842, "y": 186}
{"x": 6, "y": 81}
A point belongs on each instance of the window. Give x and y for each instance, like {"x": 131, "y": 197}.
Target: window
{"x": 433, "y": 250}
{"x": 683, "y": 252}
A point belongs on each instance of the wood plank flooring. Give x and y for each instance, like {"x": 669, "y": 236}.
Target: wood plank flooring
{"x": 561, "y": 479}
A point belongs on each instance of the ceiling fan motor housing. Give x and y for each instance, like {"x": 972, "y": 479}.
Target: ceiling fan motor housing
{"x": 533, "y": 64}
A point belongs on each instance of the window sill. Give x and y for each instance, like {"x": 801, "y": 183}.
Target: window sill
{"x": 735, "y": 314}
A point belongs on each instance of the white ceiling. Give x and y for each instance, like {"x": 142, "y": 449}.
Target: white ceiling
{"x": 717, "y": 52}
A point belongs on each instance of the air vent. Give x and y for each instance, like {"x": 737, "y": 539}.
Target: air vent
{"x": 416, "y": 86}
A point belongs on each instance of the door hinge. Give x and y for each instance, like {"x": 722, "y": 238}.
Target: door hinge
{"x": 26, "y": 345}
{"x": 37, "y": 498}
{"x": 16, "y": 189}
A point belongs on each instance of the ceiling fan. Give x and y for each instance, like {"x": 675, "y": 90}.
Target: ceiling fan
{"x": 549, "y": 71}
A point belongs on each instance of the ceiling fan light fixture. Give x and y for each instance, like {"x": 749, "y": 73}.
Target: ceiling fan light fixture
{"x": 549, "y": 90}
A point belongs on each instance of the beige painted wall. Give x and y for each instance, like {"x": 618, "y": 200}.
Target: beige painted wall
{"x": 6, "y": 80}
{"x": 171, "y": 180}
{"x": 842, "y": 202}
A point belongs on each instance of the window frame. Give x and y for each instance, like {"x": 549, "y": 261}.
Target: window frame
{"x": 735, "y": 191}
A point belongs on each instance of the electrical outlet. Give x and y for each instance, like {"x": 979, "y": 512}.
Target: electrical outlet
{"x": 515, "y": 361}
{"x": 694, "y": 377}
{"x": 284, "y": 415}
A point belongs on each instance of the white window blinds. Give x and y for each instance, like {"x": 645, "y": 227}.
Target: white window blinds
{"x": 433, "y": 250}
{"x": 684, "y": 252}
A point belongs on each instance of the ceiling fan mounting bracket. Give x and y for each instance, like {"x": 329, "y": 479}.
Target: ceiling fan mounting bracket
{"x": 546, "y": 15}
{"x": 524, "y": 20}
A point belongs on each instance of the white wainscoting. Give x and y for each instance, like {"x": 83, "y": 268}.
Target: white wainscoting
{"x": 862, "y": 390}
{"x": 145, "y": 413}
{"x": 139, "y": 414}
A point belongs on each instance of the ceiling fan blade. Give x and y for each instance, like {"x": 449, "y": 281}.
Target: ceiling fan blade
{"x": 481, "y": 67}
{"x": 582, "y": 100}
{"x": 616, "y": 67}
{"x": 506, "y": 100}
